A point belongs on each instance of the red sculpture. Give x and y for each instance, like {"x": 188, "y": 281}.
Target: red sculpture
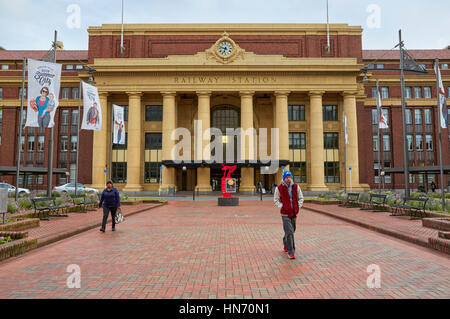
{"x": 230, "y": 170}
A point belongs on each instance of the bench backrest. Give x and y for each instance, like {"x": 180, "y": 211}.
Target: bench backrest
{"x": 378, "y": 198}
{"x": 49, "y": 200}
{"x": 423, "y": 200}
{"x": 74, "y": 197}
{"x": 353, "y": 195}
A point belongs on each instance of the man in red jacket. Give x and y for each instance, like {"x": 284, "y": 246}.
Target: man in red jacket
{"x": 289, "y": 198}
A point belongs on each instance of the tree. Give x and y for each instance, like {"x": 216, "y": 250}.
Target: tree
{"x": 2, "y": 48}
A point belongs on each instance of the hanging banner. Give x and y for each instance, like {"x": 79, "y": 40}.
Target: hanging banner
{"x": 345, "y": 130}
{"x": 119, "y": 125}
{"x": 382, "y": 121}
{"x": 92, "y": 111}
{"x": 44, "y": 79}
{"x": 442, "y": 99}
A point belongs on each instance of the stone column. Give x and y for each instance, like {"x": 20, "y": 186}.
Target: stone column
{"x": 247, "y": 153}
{"x": 203, "y": 115}
{"x": 282, "y": 123}
{"x": 352, "y": 146}
{"x": 316, "y": 139}
{"x": 134, "y": 148}
{"x": 100, "y": 143}
{"x": 168, "y": 126}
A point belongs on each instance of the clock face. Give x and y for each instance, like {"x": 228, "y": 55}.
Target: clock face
{"x": 225, "y": 48}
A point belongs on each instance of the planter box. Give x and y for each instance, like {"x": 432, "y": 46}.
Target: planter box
{"x": 14, "y": 234}
{"x": 21, "y": 225}
{"x": 16, "y": 247}
{"x": 131, "y": 202}
{"x": 437, "y": 223}
{"x": 154, "y": 201}
{"x": 325, "y": 202}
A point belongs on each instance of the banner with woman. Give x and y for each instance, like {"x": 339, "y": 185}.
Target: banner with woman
{"x": 92, "y": 111}
{"x": 119, "y": 125}
{"x": 44, "y": 79}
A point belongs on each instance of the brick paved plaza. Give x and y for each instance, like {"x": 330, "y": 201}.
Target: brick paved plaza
{"x": 197, "y": 250}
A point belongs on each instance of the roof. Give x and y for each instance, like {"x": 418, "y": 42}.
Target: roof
{"x": 416, "y": 54}
{"x": 74, "y": 55}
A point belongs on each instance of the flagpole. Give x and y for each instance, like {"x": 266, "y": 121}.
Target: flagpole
{"x": 438, "y": 89}
{"x": 50, "y": 140}
{"x": 379, "y": 138}
{"x": 111, "y": 142}
{"x": 405, "y": 146}
{"x": 19, "y": 145}
{"x": 78, "y": 138}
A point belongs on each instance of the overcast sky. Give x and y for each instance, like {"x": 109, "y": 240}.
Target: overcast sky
{"x": 29, "y": 24}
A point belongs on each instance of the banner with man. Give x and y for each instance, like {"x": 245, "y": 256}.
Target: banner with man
{"x": 92, "y": 111}
{"x": 119, "y": 125}
{"x": 44, "y": 79}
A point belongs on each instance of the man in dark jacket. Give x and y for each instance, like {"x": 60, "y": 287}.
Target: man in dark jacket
{"x": 111, "y": 201}
{"x": 289, "y": 198}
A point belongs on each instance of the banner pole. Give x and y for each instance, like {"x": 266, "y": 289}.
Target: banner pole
{"x": 380, "y": 143}
{"x": 78, "y": 138}
{"x": 19, "y": 144}
{"x": 50, "y": 140}
{"x": 441, "y": 169}
{"x": 111, "y": 142}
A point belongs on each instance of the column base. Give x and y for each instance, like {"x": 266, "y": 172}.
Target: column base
{"x": 203, "y": 188}
{"x": 318, "y": 188}
{"x": 247, "y": 189}
{"x": 133, "y": 188}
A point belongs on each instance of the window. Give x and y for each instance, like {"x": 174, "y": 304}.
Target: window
{"x": 73, "y": 143}
{"x": 409, "y": 139}
{"x": 427, "y": 92}
{"x": 408, "y": 116}
{"x": 64, "y": 93}
{"x": 151, "y": 172}
{"x": 40, "y": 179}
{"x": 380, "y": 66}
{"x": 331, "y": 172}
{"x": 30, "y": 143}
{"x": 1, "y": 120}
{"x": 331, "y": 141}
{"x": 75, "y": 93}
{"x": 429, "y": 142}
{"x": 153, "y": 113}
{"x": 408, "y": 92}
{"x": 79, "y": 67}
{"x": 22, "y": 143}
{"x": 376, "y": 146}
{"x": 298, "y": 170}
{"x": 296, "y": 113}
{"x": 330, "y": 112}
{"x": 69, "y": 67}
{"x": 371, "y": 66}
{"x": 374, "y": 116}
{"x": 444, "y": 66}
{"x": 386, "y": 115}
{"x": 119, "y": 172}
{"x": 385, "y": 92}
{"x": 74, "y": 117}
{"x": 386, "y": 143}
{"x": 419, "y": 142}
{"x": 297, "y": 141}
{"x": 1, "y": 93}
{"x": 153, "y": 141}
{"x": 5, "y": 66}
{"x": 427, "y": 113}
{"x": 423, "y": 66}
{"x": 40, "y": 145}
{"x": 417, "y": 92}
{"x": 64, "y": 141}
{"x": 64, "y": 117}
{"x": 417, "y": 116}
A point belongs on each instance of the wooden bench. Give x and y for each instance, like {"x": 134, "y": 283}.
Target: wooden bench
{"x": 351, "y": 201}
{"x": 416, "y": 212}
{"x": 374, "y": 201}
{"x": 48, "y": 205}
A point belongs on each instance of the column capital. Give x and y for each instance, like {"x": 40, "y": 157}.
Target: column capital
{"x": 316, "y": 93}
{"x": 134, "y": 94}
{"x": 349, "y": 93}
{"x": 203, "y": 93}
{"x": 169, "y": 93}
{"x": 282, "y": 93}
{"x": 247, "y": 93}
{"x": 103, "y": 94}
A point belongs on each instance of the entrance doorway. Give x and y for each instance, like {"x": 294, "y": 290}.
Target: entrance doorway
{"x": 217, "y": 174}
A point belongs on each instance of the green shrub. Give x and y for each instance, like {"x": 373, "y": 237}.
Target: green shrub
{"x": 25, "y": 204}
{"x": 12, "y": 207}
{"x": 4, "y": 240}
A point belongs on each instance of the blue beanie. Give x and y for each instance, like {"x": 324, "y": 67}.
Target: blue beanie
{"x": 286, "y": 173}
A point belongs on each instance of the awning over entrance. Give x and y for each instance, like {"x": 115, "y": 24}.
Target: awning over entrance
{"x": 190, "y": 164}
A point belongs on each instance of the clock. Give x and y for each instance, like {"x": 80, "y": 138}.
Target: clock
{"x": 225, "y": 48}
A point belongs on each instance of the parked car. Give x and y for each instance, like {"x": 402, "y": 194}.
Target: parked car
{"x": 12, "y": 189}
{"x": 70, "y": 188}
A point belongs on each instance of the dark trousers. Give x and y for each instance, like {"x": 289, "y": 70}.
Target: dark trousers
{"x": 106, "y": 211}
{"x": 289, "y": 226}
